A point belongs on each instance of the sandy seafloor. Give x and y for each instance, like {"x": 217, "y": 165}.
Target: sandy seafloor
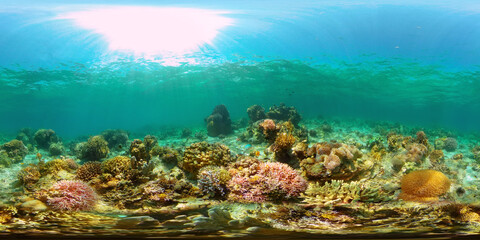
{"x": 209, "y": 218}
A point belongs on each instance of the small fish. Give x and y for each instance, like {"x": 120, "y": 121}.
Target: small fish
{"x": 257, "y": 153}
{"x": 248, "y": 146}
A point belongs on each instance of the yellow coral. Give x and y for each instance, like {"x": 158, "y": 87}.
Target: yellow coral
{"x": 424, "y": 186}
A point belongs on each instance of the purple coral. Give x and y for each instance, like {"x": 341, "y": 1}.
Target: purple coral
{"x": 72, "y": 196}
{"x": 270, "y": 181}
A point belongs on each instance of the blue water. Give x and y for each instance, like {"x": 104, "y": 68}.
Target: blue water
{"x": 410, "y": 62}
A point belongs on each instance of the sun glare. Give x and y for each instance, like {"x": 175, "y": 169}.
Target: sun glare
{"x": 152, "y": 30}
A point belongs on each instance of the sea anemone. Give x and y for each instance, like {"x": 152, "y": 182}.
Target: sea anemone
{"x": 72, "y": 196}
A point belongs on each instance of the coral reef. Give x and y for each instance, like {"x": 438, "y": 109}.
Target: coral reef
{"x": 45, "y": 137}
{"x": 138, "y": 149}
{"x": 166, "y": 190}
{"x": 424, "y": 186}
{"x": 56, "y": 165}
{"x": 120, "y": 167}
{"x": 5, "y": 161}
{"x": 29, "y": 176}
{"x": 15, "y": 150}
{"x": 282, "y": 147}
{"x": 26, "y": 136}
{"x": 219, "y": 123}
{"x": 284, "y": 113}
{"x": 166, "y": 154}
{"x": 331, "y": 161}
{"x": 255, "y": 113}
{"x": 88, "y": 171}
{"x": 213, "y": 180}
{"x": 71, "y": 196}
{"x": 94, "y": 149}
{"x": 56, "y": 149}
{"x": 338, "y": 191}
{"x": 264, "y": 181}
{"x": 203, "y": 154}
{"x": 269, "y": 129}
{"x": 116, "y": 138}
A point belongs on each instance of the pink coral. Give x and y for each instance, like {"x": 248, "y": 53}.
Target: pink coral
{"x": 271, "y": 181}
{"x": 72, "y": 195}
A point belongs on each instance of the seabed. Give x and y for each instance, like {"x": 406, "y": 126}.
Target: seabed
{"x": 357, "y": 197}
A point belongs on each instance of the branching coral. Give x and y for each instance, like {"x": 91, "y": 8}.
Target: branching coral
{"x": 203, "y": 154}
{"x": 424, "y": 186}
{"x": 88, "y": 171}
{"x": 213, "y": 180}
{"x": 266, "y": 181}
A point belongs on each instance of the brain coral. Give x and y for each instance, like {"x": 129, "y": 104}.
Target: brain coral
{"x": 424, "y": 186}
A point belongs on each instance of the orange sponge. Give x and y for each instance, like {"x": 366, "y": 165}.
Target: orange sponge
{"x": 424, "y": 186}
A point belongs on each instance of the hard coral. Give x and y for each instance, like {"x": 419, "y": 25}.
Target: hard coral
{"x": 45, "y": 137}
{"x": 56, "y": 149}
{"x": 424, "y": 186}
{"x": 282, "y": 146}
{"x": 213, "y": 180}
{"x": 219, "y": 123}
{"x": 94, "y": 149}
{"x": 29, "y": 176}
{"x": 203, "y": 154}
{"x": 139, "y": 150}
{"x": 116, "y": 138}
{"x": 88, "y": 171}
{"x": 119, "y": 167}
{"x": 71, "y": 196}
{"x": 255, "y": 113}
{"x": 15, "y": 150}
{"x": 284, "y": 113}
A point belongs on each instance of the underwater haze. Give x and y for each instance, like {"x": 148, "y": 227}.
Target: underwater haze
{"x": 409, "y": 62}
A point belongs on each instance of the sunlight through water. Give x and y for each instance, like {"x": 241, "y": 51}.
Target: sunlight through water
{"x": 152, "y": 31}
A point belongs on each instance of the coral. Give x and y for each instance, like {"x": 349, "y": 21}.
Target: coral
{"x": 5, "y": 161}
{"x": 213, "y": 180}
{"x": 26, "y": 136}
{"x": 94, "y": 149}
{"x": 55, "y": 166}
{"x": 339, "y": 191}
{"x": 119, "y": 167}
{"x": 269, "y": 129}
{"x": 328, "y": 161}
{"x": 255, "y": 113}
{"x": 203, "y": 154}
{"x": 15, "y": 150}
{"x": 436, "y": 156}
{"x": 282, "y": 146}
{"x": 116, "y": 138}
{"x": 450, "y": 144}
{"x": 422, "y": 138}
{"x": 56, "y": 149}
{"x": 284, "y": 113}
{"x": 266, "y": 181}
{"x": 476, "y": 152}
{"x": 166, "y": 154}
{"x": 219, "y": 123}
{"x": 326, "y": 128}
{"x": 138, "y": 149}
{"x": 71, "y": 196}
{"x": 141, "y": 149}
{"x": 88, "y": 171}
{"x": 166, "y": 190}
{"x": 29, "y": 176}
{"x": 45, "y": 137}
{"x": 397, "y": 141}
{"x": 416, "y": 152}
{"x": 440, "y": 143}
{"x": 424, "y": 186}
